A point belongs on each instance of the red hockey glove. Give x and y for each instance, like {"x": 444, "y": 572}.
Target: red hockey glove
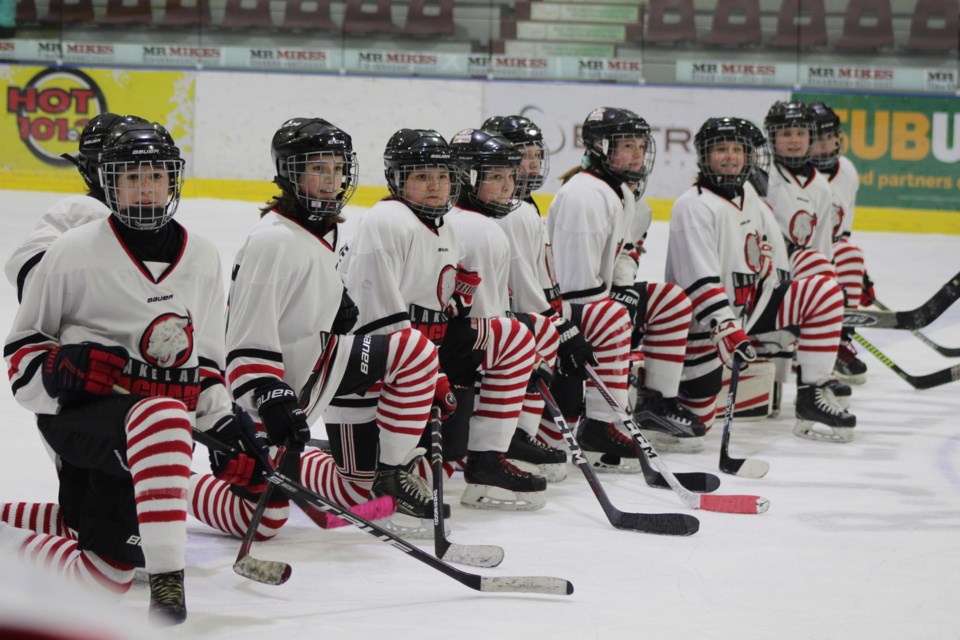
{"x": 244, "y": 466}
{"x": 443, "y": 397}
{"x": 73, "y": 371}
{"x": 464, "y": 288}
{"x": 868, "y": 296}
{"x": 729, "y": 338}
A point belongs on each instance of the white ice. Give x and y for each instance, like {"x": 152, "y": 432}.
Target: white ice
{"x": 861, "y": 540}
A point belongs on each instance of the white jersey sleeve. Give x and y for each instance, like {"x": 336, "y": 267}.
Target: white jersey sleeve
{"x": 484, "y": 250}
{"x": 844, "y": 185}
{"x": 586, "y": 223}
{"x": 533, "y": 287}
{"x": 68, "y": 213}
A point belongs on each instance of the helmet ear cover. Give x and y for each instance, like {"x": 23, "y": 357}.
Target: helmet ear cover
{"x": 478, "y": 152}
{"x": 413, "y": 150}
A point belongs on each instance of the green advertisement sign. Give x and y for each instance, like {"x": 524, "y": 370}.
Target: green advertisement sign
{"x": 906, "y": 148}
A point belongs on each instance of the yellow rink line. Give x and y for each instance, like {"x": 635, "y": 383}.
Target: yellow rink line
{"x": 866, "y": 218}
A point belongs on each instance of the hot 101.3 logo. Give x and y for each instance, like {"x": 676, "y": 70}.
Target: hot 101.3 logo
{"x": 52, "y": 109}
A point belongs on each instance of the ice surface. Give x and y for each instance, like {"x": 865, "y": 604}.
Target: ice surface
{"x": 861, "y": 540}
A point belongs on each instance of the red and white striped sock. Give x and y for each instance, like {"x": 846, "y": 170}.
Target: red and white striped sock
{"x": 606, "y": 326}
{"x": 211, "y": 502}
{"x": 39, "y": 517}
{"x": 848, "y": 259}
{"x": 665, "y": 331}
{"x": 319, "y": 473}
{"x": 809, "y": 262}
{"x": 815, "y": 305}
{"x": 546, "y": 343}
{"x": 61, "y": 556}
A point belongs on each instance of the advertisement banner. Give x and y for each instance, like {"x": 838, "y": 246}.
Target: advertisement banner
{"x": 45, "y": 109}
{"x": 906, "y": 148}
{"x": 675, "y": 116}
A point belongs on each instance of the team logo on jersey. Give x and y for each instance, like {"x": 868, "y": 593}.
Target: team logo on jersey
{"x": 744, "y": 289}
{"x": 168, "y": 341}
{"x": 446, "y": 285}
{"x": 801, "y": 227}
{"x": 751, "y": 252}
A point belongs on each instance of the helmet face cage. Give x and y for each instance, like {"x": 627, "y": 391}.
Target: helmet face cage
{"x": 827, "y": 124}
{"x": 604, "y": 130}
{"x": 421, "y": 158}
{"x": 321, "y": 181}
{"x": 473, "y": 179}
{"x": 143, "y": 195}
{"x": 785, "y": 116}
{"x": 735, "y": 145}
{"x": 483, "y": 156}
{"x": 758, "y": 143}
{"x": 528, "y": 138}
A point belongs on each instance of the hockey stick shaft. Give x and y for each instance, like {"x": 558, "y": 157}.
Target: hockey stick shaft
{"x": 935, "y": 379}
{"x": 271, "y": 572}
{"x": 707, "y": 502}
{"x": 950, "y": 352}
{"x": 504, "y": 584}
{"x": 910, "y": 320}
{"x": 663, "y": 524}
{"x": 745, "y": 467}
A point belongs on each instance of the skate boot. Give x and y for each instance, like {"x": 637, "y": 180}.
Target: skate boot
{"x": 414, "y": 501}
{"x": 167, "y": 604}
{"x": 666, "y": 424}
{"x": 493, "y": 482}
{"x": 841, "y": 392}
{"x": 531, "y": 455}
{"x": 606, "y": 448}
{"x": 849, "y": 368}
{"x": 816, "y": 407}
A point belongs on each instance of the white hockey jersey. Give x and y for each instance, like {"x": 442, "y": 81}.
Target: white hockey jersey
{"x": 485, "y": 250}
{"x": 714, "y": 252}
{"x": 532, "y": 279}
{"x": 587, "y": 225}
{"x": 284, "y": 296}
{"x": 803, "y": 208}
{"x": 88, "y": 288}
{"x": 68, "y": 213}
{"x": 844, "y": 185}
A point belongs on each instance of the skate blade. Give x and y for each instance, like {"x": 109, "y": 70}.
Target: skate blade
{"x": 610, "y": 463}
{"x": 549, "y": 472}
{"x": 410, "y": 527}
{"x": 482, "y": 496}
{"x": 665, "y": 443}
{"x": 809, "y": 431}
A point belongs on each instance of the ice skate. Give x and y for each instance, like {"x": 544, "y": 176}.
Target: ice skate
{"x": 666, "y": 424}
{"x": 533, "y": 456}
{"x": 849, "y": 368}
{"x": 841, "y": 392}
{"x": 820, "y": 417}
{"x": 493, "y": 482}
{"x": 414, "y": 516}
{"x": 167, "y": 604}
{"x": 606, "y": 448}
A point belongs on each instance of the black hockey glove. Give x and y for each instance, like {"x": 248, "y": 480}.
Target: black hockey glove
{"x": 243, "y": 467}
{"x": 463, "y": 348}
{"x": 347, "y": 315}
{"x": 574, "y": 352}
{"x": 72, "y": 372}
{"x": 280, "y": 414}
{"x": 629, "y": 297}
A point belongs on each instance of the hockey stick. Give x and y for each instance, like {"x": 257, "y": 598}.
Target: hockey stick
{"x": 910, "y": 320}
{"x": 950, "y": 352}
{"x": 935, "y": 379}
{"x": 473, "y": 555}
{"x": 667, "y": 524}
{"x": 743, "y": 467}
{"x": 271, "y": 572}
{"x": 707, "y": 502}
{"x": 502, "y": 584}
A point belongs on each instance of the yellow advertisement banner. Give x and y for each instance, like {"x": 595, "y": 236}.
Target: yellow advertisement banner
{"x": 45, "y": 109}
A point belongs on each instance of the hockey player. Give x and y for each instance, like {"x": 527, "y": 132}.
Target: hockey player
{"x": 491, "y": 188}
{"x": 724, "y": 250}
{"x": 287, "y": 352}
{"x": 403, "y": 266}
{"x": 129, "y": 301}
{"x": 589, "y": 223}
{"x": 847, "y": 257}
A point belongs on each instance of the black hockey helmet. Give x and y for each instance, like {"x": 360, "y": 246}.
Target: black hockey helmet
{"x": 477, "y": 153}
{"x": 713, "y": 132}
{"x": 522, "y": 132}
{"x": 789, "y": 115}
{"x": 827, "y": 124}
{"x": 604, "y": 128}
{"x": 92, "y": 137}
{"x": 412, "y": 150}
{"x": 754, "y": 134}
{"x": 147, "y": 151}
{"x": 301, "y": 142}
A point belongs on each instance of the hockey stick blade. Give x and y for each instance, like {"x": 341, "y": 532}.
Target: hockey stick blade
{"x": 742, "y": 467}
{"x": 664, "y": 524}
{"x": 910, "y": 320}
{"x": 519, "y": 584}
{"x": 927, "y": 381}
{"x": 949, "y": 352}
{"x": 694, "y": 480}
{"x": 470, "y": 555}
{"x": 725, "y": 504}
{"x": 271, "y": 572}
